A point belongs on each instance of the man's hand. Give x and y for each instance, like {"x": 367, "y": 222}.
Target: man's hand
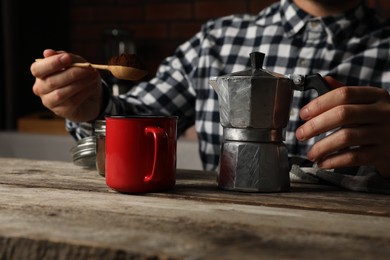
{"x": 70, "y": 92}
{"x": 361, "y": 116}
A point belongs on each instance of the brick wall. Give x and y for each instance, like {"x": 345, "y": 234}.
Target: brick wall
{"x": 158, "y": 26}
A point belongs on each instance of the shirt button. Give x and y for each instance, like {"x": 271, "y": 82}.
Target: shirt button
{"x": 294, "y": 112}
{"x": 314, "y": 24}
{"x": 303, "y": 62}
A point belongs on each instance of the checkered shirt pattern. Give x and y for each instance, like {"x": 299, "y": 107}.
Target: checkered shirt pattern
{"x": 353, "y": 48}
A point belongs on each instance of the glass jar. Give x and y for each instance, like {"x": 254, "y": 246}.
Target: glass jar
{"x": 100, "y": 134}
{"x": 116, "y": 42}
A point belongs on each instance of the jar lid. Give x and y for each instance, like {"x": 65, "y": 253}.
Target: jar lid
{"x": 84, "y": 153}
{"x": 100, "y": 126}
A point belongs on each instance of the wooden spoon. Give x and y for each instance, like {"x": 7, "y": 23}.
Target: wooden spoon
{"x": 120, "y": 72}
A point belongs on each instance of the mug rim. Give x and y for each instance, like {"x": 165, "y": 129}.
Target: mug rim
{"x": 140, "y": 117}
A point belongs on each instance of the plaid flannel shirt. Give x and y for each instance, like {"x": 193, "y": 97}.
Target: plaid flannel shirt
{"x": 353, "y": 48}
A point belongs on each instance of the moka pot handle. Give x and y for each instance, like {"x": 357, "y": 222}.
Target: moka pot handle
{"x": 313, "y": 81}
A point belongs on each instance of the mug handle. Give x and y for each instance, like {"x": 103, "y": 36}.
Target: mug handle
{"x": 160, "y": 140}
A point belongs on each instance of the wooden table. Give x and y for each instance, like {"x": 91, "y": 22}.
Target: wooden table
{"x": 55, "y": 210}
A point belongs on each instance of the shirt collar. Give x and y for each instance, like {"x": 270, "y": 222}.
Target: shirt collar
{"x": 293, "y": 20}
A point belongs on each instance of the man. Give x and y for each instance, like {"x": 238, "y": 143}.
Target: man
{"x": 341, "y": 39}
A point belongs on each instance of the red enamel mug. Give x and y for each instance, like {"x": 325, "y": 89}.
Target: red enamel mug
{"x": 141, "y": 153}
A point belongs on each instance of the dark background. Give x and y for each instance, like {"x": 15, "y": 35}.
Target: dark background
{"x": 156, "y": 28}
{"x": 27, "y": 28}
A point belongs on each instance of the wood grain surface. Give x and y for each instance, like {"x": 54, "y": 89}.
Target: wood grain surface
{"x": 55, "y": 210}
